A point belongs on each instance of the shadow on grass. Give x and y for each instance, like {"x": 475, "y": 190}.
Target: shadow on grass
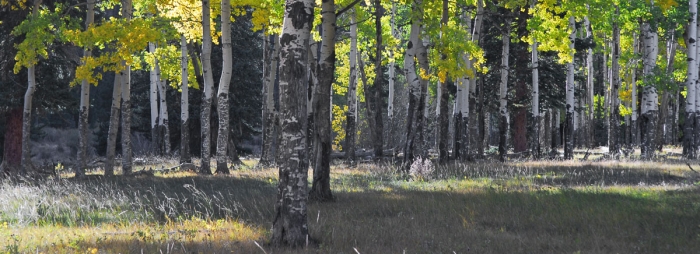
{"x": 479, "y": 220}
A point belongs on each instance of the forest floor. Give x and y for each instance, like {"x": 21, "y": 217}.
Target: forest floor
{"x": 483, "y": 207}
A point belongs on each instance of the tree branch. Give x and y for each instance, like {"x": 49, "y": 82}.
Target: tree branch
{"x": 347, "y": 8}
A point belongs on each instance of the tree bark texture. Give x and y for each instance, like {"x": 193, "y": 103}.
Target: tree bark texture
{"x": 614, "y": 128}
{"x": 269, "y": 111}
{"x": 535, "y": 139}
{"x": 27, "y": 166}
{"x": 113, "y": 124}
{"x": 84, "y": 110}
{"x": 290, "y": 226}
{"x": 689, "y": 148}
{"x": 184, "y": 105}
{"x": 443, "y": 98}
{"x": 153, "y": 99}
{"x": 650, "y": 97}
{"x": 503, "y": 95}
{"x": 414, "y": 92}
{"x": 569, "y": 127}
{"x": 126, "y": 103}
{"x": 208, "y": 87}
{"x": 223, "y": 93}
{"x": 377, "y": 87}
{"x": 350, "y": 115}
{"x": 12, "y": 147}
{"x": 321, "y": 184}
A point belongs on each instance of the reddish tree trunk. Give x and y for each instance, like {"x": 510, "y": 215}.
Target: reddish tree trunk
{"x": 12, "y": 154}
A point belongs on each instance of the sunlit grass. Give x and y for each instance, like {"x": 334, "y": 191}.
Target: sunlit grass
{"x": 483, "y": 207}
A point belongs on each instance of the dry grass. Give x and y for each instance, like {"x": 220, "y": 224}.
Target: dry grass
{"x": 519, "y": 207}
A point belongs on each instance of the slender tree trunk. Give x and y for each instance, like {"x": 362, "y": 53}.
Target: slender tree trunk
{"x": 113, "y": 124}
{"x": 377, "y": 87}
{"x": 503, "y": 95}
{"x": 83, "y": 125}
{"x": 208, "y": 87}
{"x": 614, "y": 128}
{"x": 569, "y": 126}
{"x": 650, "y": 97}
{"x": 223, "y": 94}
{"x": 27, "y": 166}
{"x": 696, "y": 126}
{"x": 392, "y": 64}
{"x": 689, "y": 148}
{"x": 590, "y": 84}
{"x": 290, "y": 223}
{"x": 184, "y": 106}
{"x": 634, "y": 125}
{"x": 321, "y": 185}
{"x": 163, "y": 117}
{"x": 535, "y": 143}
{"x": 350, "y": 115}
{"x": 663, "y": 124}
{"x": 126, "y": 102}
{"x": 442, "y": 99}
{"x": 153, "y": 99}
{"x": 269, "y": 111}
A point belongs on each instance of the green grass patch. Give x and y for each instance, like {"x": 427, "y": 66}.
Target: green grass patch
{"x": 520, "y": 207}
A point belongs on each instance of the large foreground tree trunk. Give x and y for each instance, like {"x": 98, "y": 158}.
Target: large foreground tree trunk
{"x": 126, "y": 102}
{"x": 208, "y": 87}
{"x": 689, "y": 148}
{"x": 321, "y": 185}
{"x": 84, "y": 104}
{"x": 290, "y": 226}
{"x": 413, "y": 81}
{"x": 222, "y": 96}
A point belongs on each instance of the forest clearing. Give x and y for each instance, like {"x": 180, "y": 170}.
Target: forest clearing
{"x": 349, "y": 126}
{"x": 483, "y": 207}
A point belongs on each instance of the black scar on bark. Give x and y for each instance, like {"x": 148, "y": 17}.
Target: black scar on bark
{"x": 298, "y": 15}
{"x": 286, "y": 38}
{"x": 410, "y": 45}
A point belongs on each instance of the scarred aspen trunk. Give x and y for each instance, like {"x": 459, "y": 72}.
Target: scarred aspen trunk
{"x": 290, "y": 222}
{"x": 27, "y": 166}
{"x": 223, "y": 94}
{"x": 163, "y": 117}
{"x": 569, "y": 125}
{"x": 689, "y": 148}
{"x": 650, "y": 97}
{"x": 269, "y": 111}
{"x": 413, "y": 81}
{"x": 84, "y": 104}
{"x": 126, "y": 103}
{"x": 153, "y": 99}
{"x": 350, "y": 115}
{"x": 590, "y": 83}
{"x": 535, "y": 142}
{"x": 184, "y": 106}
{"x": 503, "y": 95}
{"x": 208, "y": 87}
{"x": 464, "y": 111}
{"x": 377, "y": 87}
{"x": 443, "y": 97}
{"x": 321, "y": 187}
{"x": 113, "y": 124}
{"x": 392, "y": 64}
{"x": 613, "y": 129}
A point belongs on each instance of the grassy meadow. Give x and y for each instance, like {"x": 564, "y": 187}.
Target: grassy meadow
{"x": 482, "y": 207}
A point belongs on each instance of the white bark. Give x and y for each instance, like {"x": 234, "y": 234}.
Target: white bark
{"x": 568, "y": 146}
{"x": 503, "y": 94}
{"x": 84, "y": 104}
{"x": 689, "y": 148}
{"x": 208, "y": 86}
{"x": 184, "y": 105}
{"x": 153, "y": 96}
{"x": 535, "y": 100}
{"x": 223, "y": 94}
{"x": 27, "y": 111}
{"x": 163, "y": 117}
{"x": 126, "y": 102}
{"x": 392, "y": 63}
{"x": 650, "y": 96}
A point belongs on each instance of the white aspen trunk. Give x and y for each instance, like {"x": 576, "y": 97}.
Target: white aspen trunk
{"x": 467, "y": 93}
{"x": 392, "y": 63}
{"x": 223, "y": 94}
{"x": 569, "y": 128}
{"x": 503, "y": 95}
{"x": 650, "y": 97}
{"x": 208, "y": 86}
{"x": 163, "y": 117}
{"x": 126, "y": 102}
{"x": 290, "y": 223}
{"x": 689, "y": 148}
{"x": 113, "y": 125}
{"x": 590, "y": 83}
{"x": 184, "y": 105}
{"x": 696, "y": 122}
{"x": 351, "y": 115}
{"x": 535, "y": 144}
{"x": 635, "y": 112}
{"x": 613, "y": 129}
{"x": 153, "y": 99}
{"x": 83, "y": 125}
{"x": 27, "y": 166}
{"x": 321, "y": 188}
{"x": 270, "y": 113}
{"x": 413, "y": 81}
